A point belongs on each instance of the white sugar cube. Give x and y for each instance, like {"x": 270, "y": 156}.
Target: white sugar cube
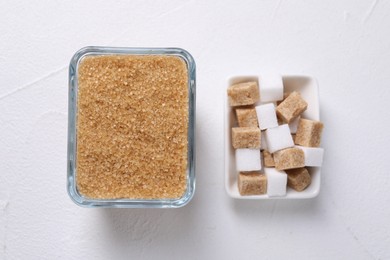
{"x": 248, "y": 160}
{"x": 313, "y": 155}
{"x": 278, "y": 138}
{"x": 263, "y": 103}
{"x": 271, "y": 87}
{"x": 276, "y": 182}
{"x": 294, "y": 125}
{"x": 263, "y": 145}
{"x": 266, "y": 116}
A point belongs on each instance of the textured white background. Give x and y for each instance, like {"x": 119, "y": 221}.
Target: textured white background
{"x": 345, "y": 44}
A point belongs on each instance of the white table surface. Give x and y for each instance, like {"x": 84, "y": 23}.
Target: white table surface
{"x": 344, "y": 44}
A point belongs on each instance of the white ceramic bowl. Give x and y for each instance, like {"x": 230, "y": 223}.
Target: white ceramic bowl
{"x": 308, "y": 88}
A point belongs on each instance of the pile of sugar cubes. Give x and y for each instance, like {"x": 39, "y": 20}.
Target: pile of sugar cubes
{"x": 272, "y": 132}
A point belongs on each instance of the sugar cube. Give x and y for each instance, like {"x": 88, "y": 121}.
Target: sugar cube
{"x": 289, "y": 158}
{"x": 278, "y": 138}
{"x": 252, "y": 183}
{"x": 242, "y": 94}
{"x": 313, "y": 155}
{"x": 271, "y": 87}
{"x": 280, "y": 121}
{"x": 276, "y": 182}
{"x": 291, "y": 107}
{"x": 246, "y": 137}
{"x": 309, "y": 133}
{"x": 294, "y": 125}
{"x": 268, "y": 159}
{"x": 247, "y": 117}
{"x": 263, "y": 141}
{"x": 293, "y": 137}
{"x": 248, "y": 160}
{"x": 298, "y": 179}
{"x": 285, "y": 95}
{"x": 266, "y": 116}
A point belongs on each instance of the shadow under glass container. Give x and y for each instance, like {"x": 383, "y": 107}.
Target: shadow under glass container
{"x": 131, "y": 127}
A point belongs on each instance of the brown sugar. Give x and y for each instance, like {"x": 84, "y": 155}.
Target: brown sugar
{"x": 309, "y": 133}
{"x": 291, "y": 107}
{"x": 289, "y": 158}
{"x": 132, "y": 127}
{"x": 285, "y": 95}
{"x": 246, "y": 137}
{"x": 298, "y": 179}
{"x": 247, "y": 117}
{"x": 293, "y": 137}
{"x": 243, "y": 94}
{"x": 252, "y": 183}
{"x": 268, "y": 159}
{"x": 280, "y": 120}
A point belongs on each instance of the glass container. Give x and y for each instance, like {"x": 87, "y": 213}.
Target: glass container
{"x": 72, "y": 187}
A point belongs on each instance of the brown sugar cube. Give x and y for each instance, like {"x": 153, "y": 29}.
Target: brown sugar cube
{"x": 293, "y": 137}
{"x": 243, "y": 94}
{"x": 309, "y": 133}
{"x": 268, "y": 159}
{"x": 285, "y": 95}
{"x": 289, "y": 158}
{"x": 252, "y": 183}
{"x": 247, "y": 117}
{"x": 246, "y": 137}
{"x": 280, "y": 121}
{"x": 291, "y": 107}
{"x": 298, "y": 179}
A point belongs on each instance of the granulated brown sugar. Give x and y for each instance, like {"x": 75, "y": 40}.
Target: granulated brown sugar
{"x": 132, "y": 126}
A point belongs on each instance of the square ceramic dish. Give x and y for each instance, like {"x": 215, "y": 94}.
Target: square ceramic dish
{"x": 73, "y": 191}
{"x": 308, "y": 88}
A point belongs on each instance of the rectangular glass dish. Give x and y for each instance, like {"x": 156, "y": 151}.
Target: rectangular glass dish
{"x": 308, "y": 88}
{"x": 131, "y": 127}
